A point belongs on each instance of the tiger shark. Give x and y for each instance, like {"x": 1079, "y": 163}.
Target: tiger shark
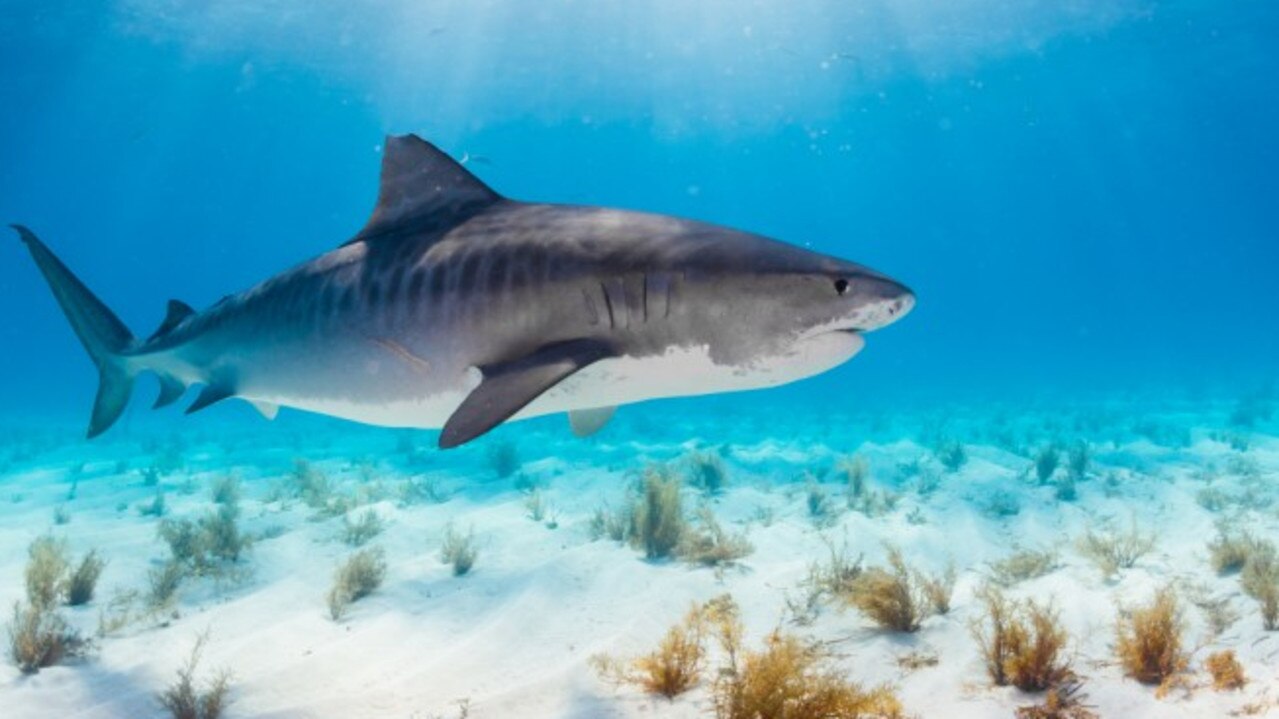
{"x": 458, "y": 309}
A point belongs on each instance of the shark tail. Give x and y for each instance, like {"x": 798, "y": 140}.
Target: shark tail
{"x": 100, "y": 331}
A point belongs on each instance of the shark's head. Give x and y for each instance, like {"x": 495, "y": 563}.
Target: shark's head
{"x": 784, "y": 312}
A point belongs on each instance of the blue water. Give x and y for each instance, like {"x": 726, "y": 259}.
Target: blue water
{"x": 1082, "y": 199}
{"x": 1083, "y": 195}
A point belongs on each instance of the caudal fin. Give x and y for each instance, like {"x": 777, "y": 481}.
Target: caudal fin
{"x": 100, "y": 331}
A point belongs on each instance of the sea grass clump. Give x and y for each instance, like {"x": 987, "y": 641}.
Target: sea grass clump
{"x": 1260, "y": 580}
{"x": 706, "y": 471}
{"x": 83, "y": 580}
{"x": 1022, "y": 565}
{"x": 618, "y": 526}
{"x": 1022, "y": 644}
{"x": 47, "y": 565}
{"x": 708, "y": 544}
{"x": 659, "y": 514}
{"x": 1065, "y": 701}
{"x": 225, "y": 490}
{"x": 51, "y": 577}
{"x": 1227, "y": 672}
{"x": 207, "y": 545}
{"x": 1229, "y": 551}
{"x": 671, "y": 669}
{"x": 363, "y": 529}
{"x": 952, "y": 455}
{"x": 503, "y": 458}
{"x": 1046, "y": 462}
{"x": 1148, "y": 641}
{"x": 183, "y": 699}
{"x": 787, "y": 678}
{"x": 359, "y": 576}
{"x": 1112, "y": 550}
{"x": 459, "y": 550}
{"x": 39, "y": 637}
{"x": 855, "y": 470}
{"x": 897, "y": 597}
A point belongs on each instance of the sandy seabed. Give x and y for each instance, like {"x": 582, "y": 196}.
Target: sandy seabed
{"x": 514, "y": 637}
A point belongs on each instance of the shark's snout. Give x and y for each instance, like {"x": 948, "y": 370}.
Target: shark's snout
{"x": 877, "y": 301}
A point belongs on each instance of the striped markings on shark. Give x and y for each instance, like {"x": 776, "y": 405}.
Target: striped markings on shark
{"x": 459, "y": 309}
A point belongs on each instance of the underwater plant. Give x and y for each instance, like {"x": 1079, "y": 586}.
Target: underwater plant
{"x": 708, "y": 544}
{"x": 1229, "y": 551}
{"x": 203, "y": 546}
{"x": 952, "y": 455}
{"x": 225, "y": 490}
{"x": 39, "y": 637}
{"x": 83, "y": 580}
{"x": 1023, "y": 564}
{"x": 1260, "y": 580}
{"x": 1021, "y": 643}
{"x": 47, "y": 565}
{"x": 1046, "y": 462}
{"x": 1148, "y": 641}
{"x": 1112, "y": 550}
{"x": 1079, "y": 459}
{"x": 671, "y": 669}
{"x": 786, "y": 678}
{"x": 1226, "y": 671}
{"x": 820, "y": 509}
{"x": 459, "y": 550}
{"x": 154, "y": 508}
{"x": 897, "y": 597}
{"x": 1064, "y": 701}
{"x": 855, "y": 470}
{"x": 359, "y": 532}
{"x": 359, "y": 576}
{"x": 659, "y": 514}
{"x": 617, "y": 526}
{"x": 184, "y": 700}
{"x": 163, "y": 583}
{"x": 503, "y": 458}
{"x": 938, "y": 588}
{"x": 221, "y": 536}
{"x": 535, "y": 505}
{"x": 317, "y": 490}
{"x": 421, "y": 489}
{"x": 707, "y": 472}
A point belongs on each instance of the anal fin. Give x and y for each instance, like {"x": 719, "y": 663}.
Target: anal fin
{"x": 171, "y": 388}
{"x": 209, "y": 395}
{"x": 586, "y": 422}
{"x": 510, "y": 386}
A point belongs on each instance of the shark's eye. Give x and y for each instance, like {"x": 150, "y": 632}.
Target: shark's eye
{"x": 841, "y": 285}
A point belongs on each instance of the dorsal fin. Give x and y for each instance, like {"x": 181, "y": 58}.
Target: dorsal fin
{"x": 422, "y": 188}
{"x": 178, "y": 311}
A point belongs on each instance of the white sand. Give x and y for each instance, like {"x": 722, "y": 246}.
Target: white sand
{"x": 513, "y": 637}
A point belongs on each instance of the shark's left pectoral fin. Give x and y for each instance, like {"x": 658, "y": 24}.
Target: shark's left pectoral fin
{"x": 510, "y": 386}
{"x": 586, "y": 422}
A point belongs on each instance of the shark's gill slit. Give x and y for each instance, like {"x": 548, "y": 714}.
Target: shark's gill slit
{"x": 592, "y": 314}
{"x": 608, "y": 305}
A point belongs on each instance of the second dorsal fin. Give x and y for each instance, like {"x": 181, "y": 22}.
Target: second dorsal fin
{"x": 422, "y": 188}
{"x": 173, "y": 316}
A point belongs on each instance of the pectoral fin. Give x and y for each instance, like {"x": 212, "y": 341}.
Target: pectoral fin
{"x": 586, "y": 422}
{"x": 508, "y": 387}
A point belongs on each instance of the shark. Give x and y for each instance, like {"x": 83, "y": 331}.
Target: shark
{"x": 458, "y": 309}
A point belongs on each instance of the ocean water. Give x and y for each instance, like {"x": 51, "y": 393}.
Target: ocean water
{"x": 1082, "y": 196}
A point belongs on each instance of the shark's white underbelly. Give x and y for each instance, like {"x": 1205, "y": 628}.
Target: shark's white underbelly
{"x": 680, "y": 372}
